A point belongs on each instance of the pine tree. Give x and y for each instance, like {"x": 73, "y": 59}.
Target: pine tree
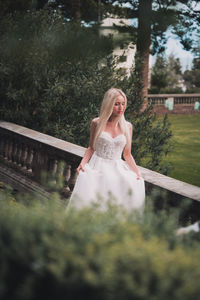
{"x": 159, "y": 75}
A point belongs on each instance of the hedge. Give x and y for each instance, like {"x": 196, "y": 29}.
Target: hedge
{"x": 50, "y": 252}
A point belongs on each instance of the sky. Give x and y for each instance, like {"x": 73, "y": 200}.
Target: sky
{"x": 174, "y": 47}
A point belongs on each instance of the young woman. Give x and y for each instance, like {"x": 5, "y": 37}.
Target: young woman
{"x": 102, "y": 172}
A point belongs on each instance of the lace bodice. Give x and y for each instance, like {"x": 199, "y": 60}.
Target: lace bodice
{"x": 108, "y": 147}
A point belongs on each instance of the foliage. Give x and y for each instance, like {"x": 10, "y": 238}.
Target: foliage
{"x": 10, "y": 7}
{"x": 182, "y": 16}
{"x": 191, "y": 77}
{"x": 159, "y": 75}
{"x": 151, "y": 137}
{"x": 87, "y": 11}
{"x": 48, "y": 251}
{"x": 45, "y": 67}
{"x": 154, "y": 18}
{"x": 177, "y": 14}
{"x": 53, "y": 76}
{"x": 166, "y": 75}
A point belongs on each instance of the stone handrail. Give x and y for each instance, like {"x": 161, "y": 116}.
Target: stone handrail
{"x": 186, "y": 99}
{"x": 30, "y": 153}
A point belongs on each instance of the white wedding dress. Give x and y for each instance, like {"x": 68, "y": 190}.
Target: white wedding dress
{"x": 108, "y": 176}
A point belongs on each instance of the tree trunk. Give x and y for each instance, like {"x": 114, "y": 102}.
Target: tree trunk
{"x": 143, "y": 45}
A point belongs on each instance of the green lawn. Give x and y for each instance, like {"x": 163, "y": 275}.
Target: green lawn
{"x": 185, "y": 154}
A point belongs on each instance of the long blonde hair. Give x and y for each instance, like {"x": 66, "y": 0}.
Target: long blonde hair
{"x": 106, "y": 111}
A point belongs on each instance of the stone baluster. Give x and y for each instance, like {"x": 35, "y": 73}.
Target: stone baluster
{"x": 39, "y": 165}
{"x": 54, "y": 167}
{"x": 14, "y": 152}
{"x": 29, "y": 160}
{"x": 67, "y": 174}
{"x": 60, "y": 174}
{"x": 73, "y": 177}
{"x": 51, "y": 176}
{"x": 2, "y": 143}
{"x": 6, "y": 149}
{"x": 61, "y": 170}
{"x": 18, "y": 155}
{"x": 10, "y": 149}
{"x": 24, "y": 157}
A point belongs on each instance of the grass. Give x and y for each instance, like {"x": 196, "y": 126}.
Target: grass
{"x": 185, "y": 153}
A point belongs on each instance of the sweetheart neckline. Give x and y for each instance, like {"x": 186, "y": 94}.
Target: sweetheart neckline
{"x": 111, "y": 135}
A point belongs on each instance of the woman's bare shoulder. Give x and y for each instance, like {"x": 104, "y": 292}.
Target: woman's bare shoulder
{"x": 130, "y": 126}
{"x": 95, "y": 121}
{"x": 93, "y": 124}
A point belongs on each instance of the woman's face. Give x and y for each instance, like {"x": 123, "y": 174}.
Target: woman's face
{"x": 119, "y": 106}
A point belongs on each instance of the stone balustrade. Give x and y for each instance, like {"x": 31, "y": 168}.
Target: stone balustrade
{"x": 25, "y": 155}
{"x": 182, "y": 99}
{"x": 33, "y": 154}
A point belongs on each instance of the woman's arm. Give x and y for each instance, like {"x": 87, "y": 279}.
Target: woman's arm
{"x": 128, "y": 156}
{"x": 89, "y": 151}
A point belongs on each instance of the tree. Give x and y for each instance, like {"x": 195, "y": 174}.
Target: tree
{"x": 192, "y": 76}
{"x": 159, "y": 75}
{"x": 77, "y": 10}
{"x": 9, "y": 6}
{"x": 177, "y": 66}
{"x": 154, "y": 18}
{"x": 166, "y": 75}
{"x": 174, "y": 75}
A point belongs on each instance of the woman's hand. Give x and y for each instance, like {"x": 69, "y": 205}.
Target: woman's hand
{"x": 138, "y": 177}
{"x": 80, "y": 168}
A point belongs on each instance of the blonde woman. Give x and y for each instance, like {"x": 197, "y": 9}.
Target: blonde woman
{"x": 102, "y": 172}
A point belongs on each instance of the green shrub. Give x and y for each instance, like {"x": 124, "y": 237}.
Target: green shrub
{"x": 49, "y": 72}
{"x": 53, "y": 253}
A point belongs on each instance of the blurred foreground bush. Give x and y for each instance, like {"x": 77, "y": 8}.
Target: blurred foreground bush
{"x": 48, "y": 252}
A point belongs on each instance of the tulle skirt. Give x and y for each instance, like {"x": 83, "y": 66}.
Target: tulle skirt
{"x": 106, "y": 179}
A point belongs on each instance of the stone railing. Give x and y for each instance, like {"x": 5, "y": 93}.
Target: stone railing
{"x": 30, "y": 154}
{"x": 184, "y": 99}
{"x": 26, "y": 154}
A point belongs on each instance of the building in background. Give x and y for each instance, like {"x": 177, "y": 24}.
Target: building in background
{"x": 124, "y": 49}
